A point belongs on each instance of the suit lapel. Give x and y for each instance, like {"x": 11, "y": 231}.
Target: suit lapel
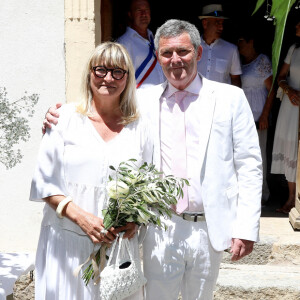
{"x": 207, "y": 103}
{"x": 155, "y": 116}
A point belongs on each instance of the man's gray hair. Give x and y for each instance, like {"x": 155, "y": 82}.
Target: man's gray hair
{"x": 173, "y": 28}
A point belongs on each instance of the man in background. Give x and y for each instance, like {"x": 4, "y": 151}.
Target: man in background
{"x": 138, "y": 40}
{"x": 220, "y": 59}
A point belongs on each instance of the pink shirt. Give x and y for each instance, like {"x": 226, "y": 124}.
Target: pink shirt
{"x": 167, "y": 101}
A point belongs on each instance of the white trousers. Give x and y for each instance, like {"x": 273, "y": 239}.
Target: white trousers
{"x": 180, "y": 259}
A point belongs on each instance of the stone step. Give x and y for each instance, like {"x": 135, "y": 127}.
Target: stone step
{"x": 258, "y": 282}
{"x": 279, "y": 244}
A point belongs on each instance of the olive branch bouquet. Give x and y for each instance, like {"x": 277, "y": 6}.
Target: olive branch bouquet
{"x": 139, "y": 195}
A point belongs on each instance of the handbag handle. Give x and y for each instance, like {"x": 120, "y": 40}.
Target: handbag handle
{"x": 127, "y": 247}
{"x": 113, "y": 249}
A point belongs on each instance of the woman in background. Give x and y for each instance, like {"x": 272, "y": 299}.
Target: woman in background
{"x": 257, "y": 82}
{"x": 285, "y": 148}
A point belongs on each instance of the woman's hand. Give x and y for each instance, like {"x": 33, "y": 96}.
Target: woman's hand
{"x": 130, "y": 230}
{"x": 89, "y": 223}
{"x": 263, "y": 122}
{"x": 294, "y": 96}
{"x": 93, "y": 227}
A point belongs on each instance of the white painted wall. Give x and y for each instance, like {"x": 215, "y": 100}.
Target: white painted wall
{"x": 31, "y": 59}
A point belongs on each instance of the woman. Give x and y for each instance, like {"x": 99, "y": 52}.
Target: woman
{"x": 257, "y": 82}
{"x": 73, "y": 168}
{"x": 285, "y": 148}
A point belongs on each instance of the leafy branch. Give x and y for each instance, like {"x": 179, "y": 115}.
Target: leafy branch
{"x": 139, "y": 195}
{"x": 14, "y": 126}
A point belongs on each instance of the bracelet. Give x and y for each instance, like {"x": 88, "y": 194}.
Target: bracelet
{"x": 61, "y": 206}
{"x": 281, "y": 81}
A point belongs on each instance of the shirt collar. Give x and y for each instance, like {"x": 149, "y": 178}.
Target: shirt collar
{"x": 132, "y": 32}
{"x": 211, "y": 45}
{"x": 193, "y": 88}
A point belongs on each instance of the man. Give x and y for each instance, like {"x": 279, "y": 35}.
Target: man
{"x": 223, "y": 164}
{"x": 216, "y": 147}
{"x": 138, "y": 40}
{"x": 220, "y": 59}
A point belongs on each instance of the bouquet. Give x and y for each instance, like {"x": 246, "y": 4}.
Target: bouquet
{"x": 140, "y": 195}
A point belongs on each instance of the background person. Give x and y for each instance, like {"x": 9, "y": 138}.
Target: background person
{"x": 138, "y": 40}
{"x": 73, "y": 163}
{"x": 256, "y": 83}
{"x": 285, "y": 148}
{"x": 220, "y": 59}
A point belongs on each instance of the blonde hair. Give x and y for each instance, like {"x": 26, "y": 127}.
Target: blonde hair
{"x": 113, "y": 55}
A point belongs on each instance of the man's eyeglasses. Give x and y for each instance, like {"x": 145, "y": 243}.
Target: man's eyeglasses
{"x": 116, "y": 73}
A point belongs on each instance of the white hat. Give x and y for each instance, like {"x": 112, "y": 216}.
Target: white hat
{"x": 212, "y": 11}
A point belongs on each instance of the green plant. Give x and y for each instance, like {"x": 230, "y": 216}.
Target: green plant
{"x": 136, "y": 194}
{"x": 14, "y": 126}
{"x": 280, "y": 10}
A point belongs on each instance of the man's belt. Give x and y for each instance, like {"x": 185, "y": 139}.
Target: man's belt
{"x": 193, "y": 217}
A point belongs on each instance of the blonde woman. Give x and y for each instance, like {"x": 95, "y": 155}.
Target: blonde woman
{"x": 73, "y": 168}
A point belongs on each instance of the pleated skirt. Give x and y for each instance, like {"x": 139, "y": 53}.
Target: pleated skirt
{"x": 285, "y": 147}
{"x": 59, "y": 253}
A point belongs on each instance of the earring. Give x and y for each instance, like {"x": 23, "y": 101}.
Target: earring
{"x": 297, "y": 5}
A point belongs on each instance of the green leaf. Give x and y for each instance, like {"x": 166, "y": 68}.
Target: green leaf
{"x": 132, "y": 159}
{"x": 280, "y": 10}
{"x": 108, "y": 221}
{"x": 259, "y": 3}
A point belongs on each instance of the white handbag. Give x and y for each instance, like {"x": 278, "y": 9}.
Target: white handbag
{"x": 123, "y": 278}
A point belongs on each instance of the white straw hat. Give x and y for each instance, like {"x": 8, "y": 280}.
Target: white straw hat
{"x": 212, "y": 11}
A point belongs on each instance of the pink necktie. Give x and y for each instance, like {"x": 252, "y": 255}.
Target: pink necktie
{"x": 179, "y": 147}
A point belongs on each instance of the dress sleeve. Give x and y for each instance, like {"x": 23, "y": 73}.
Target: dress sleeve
{"x": 265, "y": 67}
{"x": 48, "y": 178}
{"x": 288, "y": 58}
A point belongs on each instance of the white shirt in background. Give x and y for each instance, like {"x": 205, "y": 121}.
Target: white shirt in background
{"x": 219, "y": 60}
{"x": 138, "y": 49}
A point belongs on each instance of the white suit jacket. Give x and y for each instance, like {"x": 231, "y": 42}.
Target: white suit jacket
{"x": 230, "y": 158}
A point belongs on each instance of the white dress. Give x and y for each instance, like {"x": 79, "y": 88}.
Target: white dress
{"x": 74, "y": 160}
{"x": 285, "y": 148}
{"x": 253, "y": 77}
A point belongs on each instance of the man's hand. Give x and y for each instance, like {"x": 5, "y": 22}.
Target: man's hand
{"x": 51, "y": 117}
{"x": 240, "y": 248}
{"x": 130, "y": 230}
